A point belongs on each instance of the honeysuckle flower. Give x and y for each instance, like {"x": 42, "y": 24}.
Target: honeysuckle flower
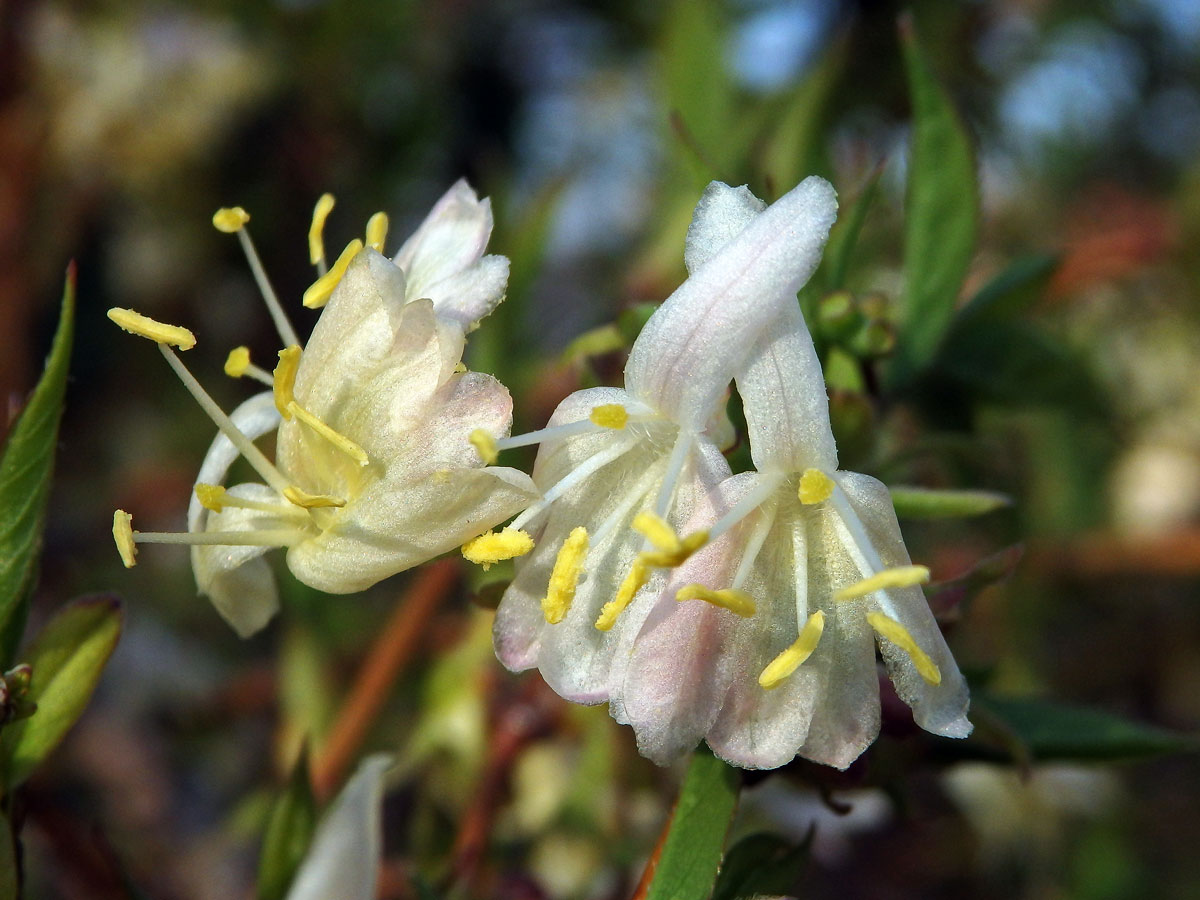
{"x": 374, "y": 471}
{"x": 805, "y": 573}
{"x": 343, "y": 859}
{"x": 622, "y": 469}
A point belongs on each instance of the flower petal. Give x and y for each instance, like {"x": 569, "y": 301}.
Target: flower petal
{"x": 452, "y": 238}
{"x": 689, "y": 349}
{"x": 720, "y": 216}
{"x": 467, "y": 296}
{"x": 343, "y": 860}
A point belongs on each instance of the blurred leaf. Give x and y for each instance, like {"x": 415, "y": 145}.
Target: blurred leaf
{"x": 843, "y": 237}
{"x": 942, "y": 211}
{"x": 950, "y": 598}
{"x": 307, "y": 698}
{"x": 761, "y": 865}
{"x": 1048, "y": 730}
{"x": 927, "y": 503}
{"x": 25, "y": 481}
{"x": 691, "y": 854}
{"x": 289, "y": 832}
{"x": 596, "y": 342}
{"x": 9, "y": 886}
{"x": 632, "y": 320}
{"x": 67, "y": 658}
{"x": 1010, "y": 293}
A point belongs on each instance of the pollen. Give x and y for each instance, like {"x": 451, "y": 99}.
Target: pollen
{"x": 899, "y": 577}
{"x": 319, "y": 291}
{"x": 893, "y": 631}
{"x": 635, "y": 580}
{"x": 377, "y": 229}
{"x": 564, "y": 578}
{"x": 793, "y": 657}
{"x": 815, "y": 487}
{"x": 230, "y": 219}
{"x": 237, "y": 362}
{"x": 493, "y": 547}
{"x": 609, "y": 415}
{"x": 485, "y": 445}
{"x": 316, "y": 231}
{"x": 306, "y": 500}
{"x": 285, "y": 380}
{"x": 339, "y": 440}
{"x": 738, "y": 602}
{"x": 159, "y": 332}
{"x": 123, "y": 535}
{"x": 211, "y": 496}
{"x": 656, "y": 531}
{"x": 672, "y": 550}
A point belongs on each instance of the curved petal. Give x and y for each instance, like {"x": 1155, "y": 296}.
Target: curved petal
{"x": 343, "y": 859}
{"x": 467, "y": 296}
{"x": 720, "y": 216}
{"x": 690, "y": 348}
{"x": 452, "y": 237}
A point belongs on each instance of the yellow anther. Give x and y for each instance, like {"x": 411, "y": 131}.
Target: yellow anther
{"x": 237, "y": 362}
{"x": 285, "y": 380}
{"x": 377, "y": 229}
{"x": 656, "y": 531}
{"x": 159, "y": 332}
{"x": 815, "y": 487}
{"x": 230, "y": 219}
{"x": 899, "y": 577}
{"x": 635, "y": 579}
{"x": 893, "y": 631}
{"x": 492, "y": 547}
{"x": 737, "y": 602}
{"x": 123, "y": 535}
{"x": 343, "y": 443}
{"x": 794, "y": 656}
{"x": 318, "y": 292}
{"x": 316, "y": 231}
{"x": 312, "y": 501}
{"x": 668, "y": 559}
{"x": 211, "y": 496}
{"x": 460, "y": 368}
{"x": 564, "y": 578}
{"x": 484, "y": 444}
{"x": 609, "y": 415}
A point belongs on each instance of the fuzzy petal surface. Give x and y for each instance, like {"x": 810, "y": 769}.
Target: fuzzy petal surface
{"x": 721, "y": 215}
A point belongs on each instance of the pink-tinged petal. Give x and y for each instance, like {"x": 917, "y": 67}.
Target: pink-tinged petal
{"x": 254, "y": 418}
{"x": 442, "y": 439}
{"x": 343, "y": 860}
{"x": 467, "y": 296}
{"x": 452, "y": 237}
{"x": 690, "y": 348}
{"x": 720, "y": 216}
{"x": 783, "y": 396}
{"x": 942, "y": 708}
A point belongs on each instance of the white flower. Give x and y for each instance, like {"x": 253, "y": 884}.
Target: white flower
{"x": 621, "y": 470}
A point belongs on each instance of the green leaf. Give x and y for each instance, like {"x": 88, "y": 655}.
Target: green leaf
{"x": 942, "y": 211}
{"x": 289, "y": 832}
{"x": 1010, "y": 293}
{"x": 67, "y": 658}
{"x": 843, "y": 237}
{"x": 761, "y": 865}
{"x": 25, "y": 481}
{"x": 927, "y": 503}
{"x": 9, "y": 884}
{"x": 1044, "y": 730}
{"x": 691, "y": 855}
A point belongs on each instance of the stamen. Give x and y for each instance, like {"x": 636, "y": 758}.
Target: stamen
{"x": 609, "y": 415}
{"x": 319, "y": 291}
{"x": 316, "y": 232}
{"x": 635, "y": 580}
{"x": 284, "y": 380}
{"x": 580, "y": 473}
{"x": 666, "y": 492}
{"x": 737, "y": 602}
{"x": 278, "y": 537}
{"x": 656, "y": 531}
{"x": 564, "y": 578}
{"x": 211, "y": 496}
{"x": 377, "y": 229}
{"x": 216, "y": 498}
{"x": 245, "y": 446}
{"x": 672, "y": 550}
{"x": 815, "y": 487}
{"x": 312, "y": 501}
{"x": 492, "y": 547}
{"x": 893, "y": 631}
{"x": 553, "y": 433}
{"x": 159, "y": 332}
{"x": 343, "y": 443}
{"x": 753, "y": 499}
{"x": 238, "y": 364}
{"x": 621, "y": 512}
{"x": 230, "y": 219}
{"x": 898, "y": 577}
{"x": 123, "y": 535}
{"x": 754, "y": 544}
{"x": 485, "y": 445}
{"x": 793, "y": 657}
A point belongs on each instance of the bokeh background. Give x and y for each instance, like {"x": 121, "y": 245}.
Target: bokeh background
{"x": 593, "y": 126}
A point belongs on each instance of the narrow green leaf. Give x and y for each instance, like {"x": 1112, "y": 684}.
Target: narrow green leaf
{"x": 927, "y": 503}
{"x": 1047, "y": 730}
{"x": 289, "y": 832}
{"x": 67, "y": 658}
{"x": 761, "y": 865}
{"x": 691, "y": 855}
{"x": 1010, "y": 293}
{"x": 9, "y": 884}
{"x": 25, "y": 481}
{"x": 843, "y": 238}
{"x": 942, "y": 211}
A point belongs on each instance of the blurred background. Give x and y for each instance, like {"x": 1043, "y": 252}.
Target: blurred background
{"x": 593, "y": 126}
